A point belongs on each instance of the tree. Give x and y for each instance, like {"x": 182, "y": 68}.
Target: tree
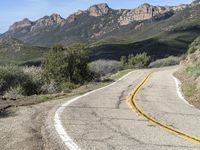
{"x": 53, "y": 62}
{"x": 138, "y": 60}
{"x": 77, "y": 58}
{"x": 123, "y": 61}
{"x": 67, "y": 64}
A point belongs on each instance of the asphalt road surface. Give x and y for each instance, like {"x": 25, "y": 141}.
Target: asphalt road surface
{"x": 103, "y": 120}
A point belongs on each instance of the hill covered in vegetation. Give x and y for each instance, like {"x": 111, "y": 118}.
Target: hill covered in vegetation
{"x": 160, "y": 31}
{"x": 190, "y": 74}
{"x": 15, "y": 51}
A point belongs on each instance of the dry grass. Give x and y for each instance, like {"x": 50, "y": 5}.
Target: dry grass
{"x": 189, "y": 87}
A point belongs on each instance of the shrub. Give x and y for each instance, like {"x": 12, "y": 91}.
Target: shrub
{"x": 190, "y": 89}
{"x": 194, "y": 70}
{"x": 194, "y": 46}
{"x": 13, "y": 76}
{"x": 104, "y": 67}
{"x": 139, "y": 60}
{"x": 14, "y": 92}
{"x": 123, "y": 61}
{"x": 68, "y": 65}
{"x": 37, "y": 76}
{"x": 51, "y": 88}
{"x": 170, "y": 61}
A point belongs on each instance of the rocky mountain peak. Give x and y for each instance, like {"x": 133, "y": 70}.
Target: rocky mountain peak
{"x": 47, "y": 21}
{"x": 21, "y": 24}
{"x": 145, "y": 5}
{"x": 95, "y": 10}
{"x": 56, "y": 18}
{"x": 99, "y": 10}
{"x": 143, "y": 12}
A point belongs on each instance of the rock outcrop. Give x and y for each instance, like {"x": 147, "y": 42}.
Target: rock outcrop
{"x": 25, "y": 23}
{"x": 87, "y": 25}
{"x": 47, "y": 21}
{"x": 98, "y": 10}
{"x": 143, "y": 12}
{"x": 124, "y": 16}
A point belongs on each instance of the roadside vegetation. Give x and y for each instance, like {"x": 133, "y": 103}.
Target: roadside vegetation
{"x": 64, "y": 72}
{"x": 140, "y": 60}
{"x": 194, "y": 46}
{"x": 189, "y": 74}
{"x": 102, "y": 69}
{"x": 119, "y": 74}
{"x": 194, "y": 70}
{"x": 169, "y": 61}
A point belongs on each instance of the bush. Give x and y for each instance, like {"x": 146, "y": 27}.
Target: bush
{"x": 14, "y": 92}
{"x": 190, "y": 89}
{"x": 139, "y": 60}
{"x": 135, "y": 61}
{"x": 68, "y": 65}
{"x": 194, "y": 70}
{"x": 31, "y": 79}
{"x": 37, "y": 76}
{"x": 123, "y": 61}
{"x": 104, "y": 67}
{"x": 14, "y": 76}
{"x": 51, "y": 88}
{"x": 170, "y": 61}
{"x": 194, "y": 46}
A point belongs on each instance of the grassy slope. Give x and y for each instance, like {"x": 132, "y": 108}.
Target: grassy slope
{"x": 163, "y": 45}
{"x": 15, "y": 51}
{"x": 158, "y": 38}
{"x": 189, "y": 74}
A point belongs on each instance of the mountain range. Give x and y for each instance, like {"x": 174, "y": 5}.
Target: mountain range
{"x": 159, "y": 30}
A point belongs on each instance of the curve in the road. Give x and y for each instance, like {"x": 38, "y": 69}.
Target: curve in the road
{"x": 66, "y": 139}
{"x": 133, "y": 105}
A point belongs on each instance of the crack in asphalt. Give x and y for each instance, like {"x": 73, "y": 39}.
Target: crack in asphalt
{"x": 110, "y": 125}
{"x": 120, "y": 99}
{"x": 122, "y": 96}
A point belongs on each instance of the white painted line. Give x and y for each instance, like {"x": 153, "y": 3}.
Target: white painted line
{"x": 66, "y": 139}
{"x": 179, "y": 91}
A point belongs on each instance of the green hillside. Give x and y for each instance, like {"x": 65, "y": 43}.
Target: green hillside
{"x": 15, "y": 51}
{"x": 158, "y": 38}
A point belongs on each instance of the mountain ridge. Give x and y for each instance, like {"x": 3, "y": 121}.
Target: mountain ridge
{"x": 103, "y": 20}
{"x": 169, "y": 31}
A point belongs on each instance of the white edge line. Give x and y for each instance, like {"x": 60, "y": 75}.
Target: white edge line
{"x": 66, "y": 139}
{"x": 179, "y": 90}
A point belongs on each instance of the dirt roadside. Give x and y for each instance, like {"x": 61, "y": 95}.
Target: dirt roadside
{"x": 29, "y": 127}
{"x": 190, "y": 83}
{"x": 26, "y": 125}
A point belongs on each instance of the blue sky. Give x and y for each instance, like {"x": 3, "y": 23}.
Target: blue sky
{"x": 15, "y": 10}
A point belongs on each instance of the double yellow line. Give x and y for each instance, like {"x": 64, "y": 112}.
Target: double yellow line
{"x": 134, "y": 107}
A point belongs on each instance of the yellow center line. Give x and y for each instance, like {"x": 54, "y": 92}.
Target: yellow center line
{"x": 134, "y": 107}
